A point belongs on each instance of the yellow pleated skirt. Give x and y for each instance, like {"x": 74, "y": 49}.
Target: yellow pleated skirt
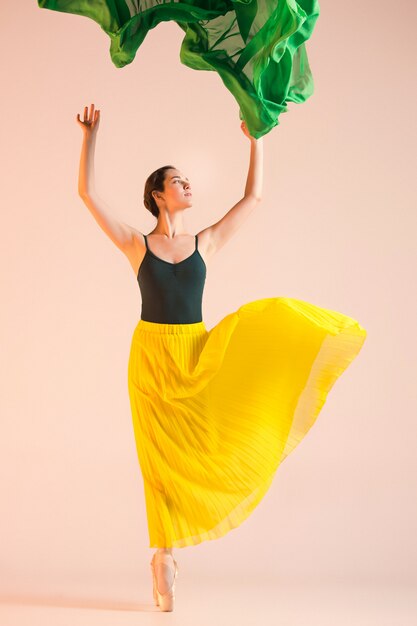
{"x": 216, "y": 411}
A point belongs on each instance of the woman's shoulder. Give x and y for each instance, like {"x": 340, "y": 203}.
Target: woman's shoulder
{"x": 138, "y": 237}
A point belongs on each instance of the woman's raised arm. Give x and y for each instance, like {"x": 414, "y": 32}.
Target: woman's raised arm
{"x": 120, "y": 233}
{"x": 216, "y": 235}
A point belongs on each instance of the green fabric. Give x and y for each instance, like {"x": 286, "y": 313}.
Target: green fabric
{"x": 256, "y": 46}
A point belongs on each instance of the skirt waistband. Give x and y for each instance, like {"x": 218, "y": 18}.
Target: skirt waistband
{"x": 177, "y": 329}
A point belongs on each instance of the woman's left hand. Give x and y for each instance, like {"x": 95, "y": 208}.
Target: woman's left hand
{"x": 245, "y": 130}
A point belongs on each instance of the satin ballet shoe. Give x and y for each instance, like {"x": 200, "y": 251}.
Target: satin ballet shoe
{"x": 164, "y": 600}
{"x": 154, "y": 593}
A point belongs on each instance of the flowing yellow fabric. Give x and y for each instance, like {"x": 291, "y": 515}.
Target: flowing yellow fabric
{"x": 216, "y": 411}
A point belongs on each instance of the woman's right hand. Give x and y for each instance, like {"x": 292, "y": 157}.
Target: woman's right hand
{"x": 91, "y": 120}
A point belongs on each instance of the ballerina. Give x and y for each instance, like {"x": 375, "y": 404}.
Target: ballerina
{"x": 215, "y": 412}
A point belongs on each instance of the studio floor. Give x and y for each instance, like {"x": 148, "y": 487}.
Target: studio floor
{"x": 209, "y": 602}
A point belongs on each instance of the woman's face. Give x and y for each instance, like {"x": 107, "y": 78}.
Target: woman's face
{"x": 177, "y": 191}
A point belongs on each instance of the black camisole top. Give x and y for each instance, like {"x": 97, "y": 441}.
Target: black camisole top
{"x": 172, "y": 293}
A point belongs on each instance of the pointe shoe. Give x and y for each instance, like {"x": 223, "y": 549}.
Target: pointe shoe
{"x": 164, "y": 600}
{"x": 154, "y": 592}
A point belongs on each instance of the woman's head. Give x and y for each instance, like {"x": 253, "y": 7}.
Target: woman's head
{"x": 166, "y": 187}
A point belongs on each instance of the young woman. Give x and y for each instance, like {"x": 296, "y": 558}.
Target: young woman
{"x": 214, "y": 412}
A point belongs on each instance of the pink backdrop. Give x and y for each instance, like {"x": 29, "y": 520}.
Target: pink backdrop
{"x": 337, "y": 227}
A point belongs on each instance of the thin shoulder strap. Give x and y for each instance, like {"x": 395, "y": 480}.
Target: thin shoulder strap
{"x": 146, "y": 242}
{"x": 196, "y": 242}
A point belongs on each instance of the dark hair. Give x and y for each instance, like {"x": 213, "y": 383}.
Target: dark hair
{"x": 155, "y": 182}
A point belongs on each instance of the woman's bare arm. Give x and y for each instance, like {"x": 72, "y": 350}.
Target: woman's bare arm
{"x": 120, "y": 233}
{"x": 216, "y": 235}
